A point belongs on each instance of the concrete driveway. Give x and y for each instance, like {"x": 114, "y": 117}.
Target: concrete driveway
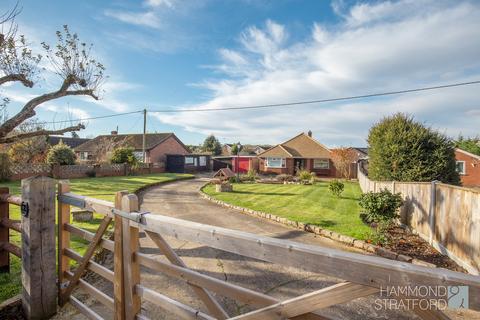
{"x": 181, "y": 200}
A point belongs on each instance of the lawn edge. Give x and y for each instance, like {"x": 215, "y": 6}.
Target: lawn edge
{"x": 335, "y": 236}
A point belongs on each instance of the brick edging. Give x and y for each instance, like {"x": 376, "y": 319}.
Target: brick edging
{"x": 347, "y": 240}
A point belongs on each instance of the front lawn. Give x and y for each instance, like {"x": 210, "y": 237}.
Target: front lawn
{"x": 312, "y": 204}
{"x": 100, "y": 188}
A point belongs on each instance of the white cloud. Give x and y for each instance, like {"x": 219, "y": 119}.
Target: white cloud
{"x": 376, "y": 47}
{"x": 147, "y": 19}
{"x": 161, "y": 3}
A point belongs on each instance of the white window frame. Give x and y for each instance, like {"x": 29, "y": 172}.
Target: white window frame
{"x": 464, "y": 171}
{"x": 138, "y": 155}
{"x": 282, "y": 162}
{"x": 84, "y": 155}
{"x": 190, "y": 161}
{"x": 318, "y": 166}
{"x": 202, "y": 161}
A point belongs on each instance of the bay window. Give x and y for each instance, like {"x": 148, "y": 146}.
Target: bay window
{"x": 321, "y": 164}
{"x": 275, "y": 163}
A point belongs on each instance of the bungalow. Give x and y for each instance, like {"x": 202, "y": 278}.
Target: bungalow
{"x": 468, "y": 166}
{"x": 302, "y": 152}
{"x": 157, "y": 146}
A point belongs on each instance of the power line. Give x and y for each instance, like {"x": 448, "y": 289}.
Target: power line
{"x": 276, "y": 105}
{"x": 371, "y": 95}
{"x": 94, "y": 118}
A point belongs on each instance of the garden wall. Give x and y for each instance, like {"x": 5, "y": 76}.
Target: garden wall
{"x": 446, "y": 216}
{"x": 25, "y": 170}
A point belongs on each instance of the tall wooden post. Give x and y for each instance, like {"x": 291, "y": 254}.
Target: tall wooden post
{"x": 4, "y": 234}
{"x": 63, "y": 238}
{"x": 118, "y": 284}
{"x": 131, "y": 265}
{"x": 39, "y": 296}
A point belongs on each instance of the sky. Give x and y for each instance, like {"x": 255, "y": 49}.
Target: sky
{"x": 173, "y": 54}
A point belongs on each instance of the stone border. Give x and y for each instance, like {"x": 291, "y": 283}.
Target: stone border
{"x": 347, "y": 240}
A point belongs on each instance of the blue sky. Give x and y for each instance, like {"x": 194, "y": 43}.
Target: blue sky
{"x": 167, "y": 54}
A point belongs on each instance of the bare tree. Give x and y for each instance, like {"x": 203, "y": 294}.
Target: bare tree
{"x": 70, "y": 59}
{"x": 30, "y": 150}
{"x": 343, "y": 159}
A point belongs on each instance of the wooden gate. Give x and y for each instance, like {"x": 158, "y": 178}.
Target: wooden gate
{"x": 363, "y": 275}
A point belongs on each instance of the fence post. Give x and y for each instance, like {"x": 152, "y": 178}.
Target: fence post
{"x": 39, "y": 296}
{"x": 118, "y": 284}
{"x": 431, "y": 211}
{"x": 131, "y": 265}
{"x": 63, "y": 238}
{"x": 4, "y": 234}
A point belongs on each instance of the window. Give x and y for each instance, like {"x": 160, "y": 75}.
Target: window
{"x": 203, "y": 161}
{"x": 189, "y": 160}
{"x": 460, "y": 167}
{"x": 138, "y": 155}
{"x": 275, "y": 162}
{"x": 83, "y": 155}
{"x": 321, "y": 164}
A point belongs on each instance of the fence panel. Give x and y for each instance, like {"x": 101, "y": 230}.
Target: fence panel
{"x": 445, "y": 215}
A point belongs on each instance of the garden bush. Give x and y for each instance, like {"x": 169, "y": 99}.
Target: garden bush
{"x": 336, "y": 187}
{"x": 4, "y": 167}
{"x": 380, "y": 206}
{"x": 251, "y": 176}
{"x": 306, "y": 176}
{"x": 61, "y": 154}
{"x": 403, "y": 149}
{"x": 124, "y": 155}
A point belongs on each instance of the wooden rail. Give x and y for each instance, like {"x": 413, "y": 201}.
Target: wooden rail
{"x": 364, "y": 275}
{"x": 7, "y": 224}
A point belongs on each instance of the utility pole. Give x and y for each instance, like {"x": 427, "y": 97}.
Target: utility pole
{"x": 144, "y": 142}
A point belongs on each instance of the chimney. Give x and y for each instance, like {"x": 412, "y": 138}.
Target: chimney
{"x": 113, "y": 133}
{"x": 309, "y": 133}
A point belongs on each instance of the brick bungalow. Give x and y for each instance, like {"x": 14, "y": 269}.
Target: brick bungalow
{"x": 468, "y": 166}
{"x": 157, "y": 146}
{"x": 300, "y": 152}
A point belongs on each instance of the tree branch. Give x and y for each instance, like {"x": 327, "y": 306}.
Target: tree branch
{"x": 16, "y": 77}
{"x": 28, "y": 110}
{"x": 42, "y": 132}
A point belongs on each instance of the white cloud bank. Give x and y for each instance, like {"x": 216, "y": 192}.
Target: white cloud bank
{"x": 374, "y": 48}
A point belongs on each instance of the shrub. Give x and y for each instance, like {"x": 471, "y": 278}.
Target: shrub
{"x": 5, "y": 172}
{"x": 233, "y": 179}
{"x": 380, "y": 206}
{"x": 402, "y": 149}
{"x": 284, "y": 177}
{"x": 336, "y": 187}
{"x": 61, "y": 154}
{"x": 251, "y": 176}
{"x": 124, "y": 155}
{"x": 305, "y": 176}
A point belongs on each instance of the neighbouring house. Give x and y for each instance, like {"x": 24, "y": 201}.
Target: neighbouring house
{"x": 468, "y": 166}
{"x": 157, "y": 146}
{"x": 187, "y": 163}
{"x": 302, "y": 152}
{"x": 243, "y": 162}
{"x": 361, "y": 153}
{"x": 69, "y": 141}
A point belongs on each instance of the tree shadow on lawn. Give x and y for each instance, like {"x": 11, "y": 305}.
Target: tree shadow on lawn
{"x": 265, "y": 193}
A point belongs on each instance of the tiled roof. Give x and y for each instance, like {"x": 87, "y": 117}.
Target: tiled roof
{"x": 301, "y": 146}
{"x": 128, "y": 140}
{"x": 69, "y": 141}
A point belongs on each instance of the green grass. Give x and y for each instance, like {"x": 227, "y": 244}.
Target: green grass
{"x": 100, "y": 188}
{"x": 312, "y": 204}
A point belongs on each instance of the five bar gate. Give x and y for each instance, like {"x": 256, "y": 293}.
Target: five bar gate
{"x": 364, "y": 275}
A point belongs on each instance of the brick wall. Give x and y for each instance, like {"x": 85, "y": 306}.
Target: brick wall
{"x": 471, "y": 178}
{"x": 169, "y": 146}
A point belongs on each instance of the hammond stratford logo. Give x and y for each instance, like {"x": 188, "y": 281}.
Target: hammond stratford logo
{"x": 457, "y": 297}
{"x": 422, "y": 297}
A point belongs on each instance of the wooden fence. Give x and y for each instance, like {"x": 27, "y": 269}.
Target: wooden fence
{"x": 446, "y": 216}
{"x": 364, "y": 275}
{"x": 24, "y": 170}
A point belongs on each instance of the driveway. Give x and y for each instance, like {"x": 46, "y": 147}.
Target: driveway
{"x": 181, "y": 200}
